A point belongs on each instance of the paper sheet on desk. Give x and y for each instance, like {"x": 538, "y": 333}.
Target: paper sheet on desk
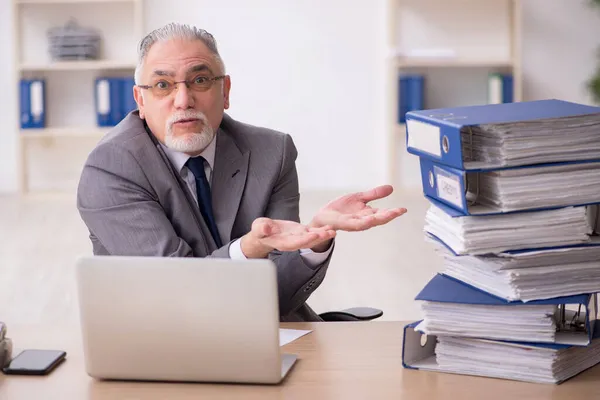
{"x": 289, "y": 335}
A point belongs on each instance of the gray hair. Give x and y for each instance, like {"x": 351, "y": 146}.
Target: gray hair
{"x": 172, "y": 31}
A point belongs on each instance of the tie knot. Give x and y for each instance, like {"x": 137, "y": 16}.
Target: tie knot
{"x": 196, "y": 165}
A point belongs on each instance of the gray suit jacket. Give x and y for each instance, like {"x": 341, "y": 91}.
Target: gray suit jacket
{"x": 135, "y": 203}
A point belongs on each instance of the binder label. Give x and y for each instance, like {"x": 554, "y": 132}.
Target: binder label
{"x": 448, "y": 187}
{"x": 103, "y": 97}
{"x": 37, "y": 100}
{"x": 424, "y": 137}
{"x": 495, "y": 89}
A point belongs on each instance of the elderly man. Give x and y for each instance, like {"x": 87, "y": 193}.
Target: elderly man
{"x": 180, "y": 178}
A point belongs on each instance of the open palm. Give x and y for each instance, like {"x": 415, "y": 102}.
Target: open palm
{"x": 352, "y": 212}
{"x": 289, "y": 235}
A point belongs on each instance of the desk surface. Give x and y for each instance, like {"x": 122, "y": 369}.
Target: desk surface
{"x": 336, "y": 361}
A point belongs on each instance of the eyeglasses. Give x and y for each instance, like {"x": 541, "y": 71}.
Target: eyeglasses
{"x": 165, "y": 87}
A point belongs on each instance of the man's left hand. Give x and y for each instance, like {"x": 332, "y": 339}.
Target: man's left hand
{"x": 352, "y": 213}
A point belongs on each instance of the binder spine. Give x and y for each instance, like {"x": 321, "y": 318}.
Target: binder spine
{"x": 445, "y": 184}
{"x": 500, "y": 88}
{"x": 32, "y": 103}
{"x": 507, "y": 89}
{"x": 494, "y": 89}
{"x": 402, "y": 102}
{"x": 416, "y": 346}
{"x": 410, "y": 95}
{"x": 109, "y": 101}
{"x": 116, "y": 100}
{"x": 435, "y": 139}
{"x": 103, "y": 104}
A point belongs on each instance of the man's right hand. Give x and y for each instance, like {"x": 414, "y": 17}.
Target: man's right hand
{"x": 268, "y": 234}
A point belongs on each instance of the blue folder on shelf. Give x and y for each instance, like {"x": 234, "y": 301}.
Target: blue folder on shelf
{"x": 444, "y": 289}
{"x": 109, "y": 103}
{"x": 32, "y": 97}
{"x": 438, "y": 134}
{"x": 411, "y": 95}
{"x": 500, "y": 88}
{"x": 460, "y": 190}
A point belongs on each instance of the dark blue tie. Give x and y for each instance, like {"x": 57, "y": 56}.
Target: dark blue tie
{"x": 196, "y": 165}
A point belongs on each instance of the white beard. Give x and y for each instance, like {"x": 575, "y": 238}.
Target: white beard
{"x": 194, "y": 142}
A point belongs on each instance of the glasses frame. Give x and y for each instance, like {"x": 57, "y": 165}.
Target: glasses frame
{"x": 187, "y": 82}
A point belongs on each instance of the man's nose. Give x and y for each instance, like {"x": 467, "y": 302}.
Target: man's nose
{"x": 183, "y": 96}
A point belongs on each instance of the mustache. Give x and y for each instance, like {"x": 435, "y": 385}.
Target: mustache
{"x": 187, "y": 114}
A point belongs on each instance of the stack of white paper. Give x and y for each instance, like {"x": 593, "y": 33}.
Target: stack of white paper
{"x": 529, "y": 275}
{"x": 532, "y": 142}
{"x": 538, "y": 187}
{"x": 540, "y": 364}
{"x": 503, "y": 322}
{"x": 527, "y": 284}
{"x": 523, "y": 230}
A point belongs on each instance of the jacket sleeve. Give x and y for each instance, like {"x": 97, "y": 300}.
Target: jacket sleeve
{"x": 296, "y": 279}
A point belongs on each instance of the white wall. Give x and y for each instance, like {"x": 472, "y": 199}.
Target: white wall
{"x": 307, "y": 68}
{"x": 314, "y": 74}
{"x": 8, "y": 108}
{"x": 560, "y": 48}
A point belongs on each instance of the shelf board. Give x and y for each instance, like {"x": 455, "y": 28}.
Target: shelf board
{"x": 71, "y": 132}
{"x": 72, "y": 1}
{"x": 406, "y": 62}
{"x": 83, "y": 65}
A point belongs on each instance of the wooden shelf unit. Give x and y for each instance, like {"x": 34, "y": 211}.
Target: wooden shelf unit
{"x": 47, "y": 69}
{"x": 395, "y": 65}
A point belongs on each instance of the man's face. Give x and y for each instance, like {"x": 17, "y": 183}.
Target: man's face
{"x": 184, "y": 118}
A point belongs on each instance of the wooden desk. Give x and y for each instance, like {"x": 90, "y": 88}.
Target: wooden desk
{"x": 337, "y": 361}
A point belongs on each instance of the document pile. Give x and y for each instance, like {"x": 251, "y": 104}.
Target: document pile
{"x": 514, "y": 192}
{"x": 559, "y": 132}
{"x": 529, "y": 274}
{"x": 496, "y": 233}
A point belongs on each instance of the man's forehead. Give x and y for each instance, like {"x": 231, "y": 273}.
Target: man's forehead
{"x": 169, "y": 71}
{"x": 178, "y": 53}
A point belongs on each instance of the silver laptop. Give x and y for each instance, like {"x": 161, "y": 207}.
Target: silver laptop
{"x": 180, "y": 319}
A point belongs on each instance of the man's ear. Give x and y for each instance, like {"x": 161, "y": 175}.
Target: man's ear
{"x": 139, "y": 99}
{"x": 226, "y": 89}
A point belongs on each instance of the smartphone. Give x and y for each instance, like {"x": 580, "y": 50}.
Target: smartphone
{"x": 35, "y": 362}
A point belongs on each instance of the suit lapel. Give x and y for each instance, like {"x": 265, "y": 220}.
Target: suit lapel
{"x": 228, "y": 182}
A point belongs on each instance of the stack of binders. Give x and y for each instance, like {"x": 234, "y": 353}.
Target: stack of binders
{"x": 514, "y": 192}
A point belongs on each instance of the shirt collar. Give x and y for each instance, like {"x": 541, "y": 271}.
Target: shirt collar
{"x": 178, "y": 159}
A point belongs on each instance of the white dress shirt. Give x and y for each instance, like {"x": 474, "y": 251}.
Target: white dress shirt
{"x": 179, "y": 159}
